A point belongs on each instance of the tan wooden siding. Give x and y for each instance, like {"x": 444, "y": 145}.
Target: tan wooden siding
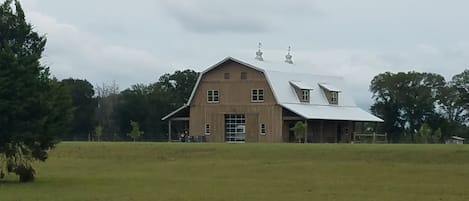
{"x": 235, "y": 98}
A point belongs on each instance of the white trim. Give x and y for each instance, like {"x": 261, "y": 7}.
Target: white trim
{"x": 303, "y": 95}
{"x": 218, "y": 64}
{"x": 300, "y": 85}
{"x": 207, "y": 128}
{"x": 263, "y": 95}
{"x": 260, "y": 130}
{"x": 330, "y": 87}
{"x": 174, "y": 112}
{"x": 213, "y": 96}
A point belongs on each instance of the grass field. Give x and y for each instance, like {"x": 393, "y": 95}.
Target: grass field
{"x": 261, "y": 172}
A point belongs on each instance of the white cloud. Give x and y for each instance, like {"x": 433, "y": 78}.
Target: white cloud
{"x": 72, "y": 52}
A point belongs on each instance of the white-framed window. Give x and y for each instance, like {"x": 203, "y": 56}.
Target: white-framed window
{"x": 334, "y": 97}
{"x": 262, "y": 129}
{"x": 213, "y": 96}
{"x": 257, "y": 95}
{"x": 305, "y": 95}
{"x": 207, "y": 129}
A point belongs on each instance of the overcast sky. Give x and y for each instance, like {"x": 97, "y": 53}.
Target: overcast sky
{"x": 137, "y": 41}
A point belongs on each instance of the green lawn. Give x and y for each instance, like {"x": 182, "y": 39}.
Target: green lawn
{"x": 261, "y": 172}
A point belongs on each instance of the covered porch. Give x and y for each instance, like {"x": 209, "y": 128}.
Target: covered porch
{"x": 178, "y": 124}
{"x": 337, "y": 125}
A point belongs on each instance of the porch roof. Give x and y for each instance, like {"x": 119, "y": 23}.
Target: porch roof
{"x": 331, "y": 112}
{"x": 175, "y": 112}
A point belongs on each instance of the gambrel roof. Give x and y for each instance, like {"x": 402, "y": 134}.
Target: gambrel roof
{"x": 283, "y": 83}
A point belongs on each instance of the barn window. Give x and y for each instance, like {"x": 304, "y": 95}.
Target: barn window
{"x": 305, "y": 95}
{"x": 334, "y": 97}
{"x": 257, "y": 95}
{"x": 207, "y": 129}
{"x": 244, "y": 75}
{"x": 212, "y": 96}
{"x": 262, "y": 129}
{"x": 227, "y": 76}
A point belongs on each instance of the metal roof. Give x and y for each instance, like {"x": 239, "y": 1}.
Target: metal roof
{"x": 329, "y": 87}
{"x": 285, "y": 95}
{"x": 331, "y": 112}
{"x": 300, "y": 84}
{"x": 457, "y": 138}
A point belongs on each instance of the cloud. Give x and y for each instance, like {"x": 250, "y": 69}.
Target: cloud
{"x": 72, "y": 52}
{"x": 243, "y": 16}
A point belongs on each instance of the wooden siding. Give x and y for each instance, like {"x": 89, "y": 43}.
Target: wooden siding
{"x": 235, "y": 98}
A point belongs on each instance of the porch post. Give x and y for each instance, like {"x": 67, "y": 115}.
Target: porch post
{"x": 322, "y": 131}
{"x": 169, "y": 130}
{"x": 306, "y": 131}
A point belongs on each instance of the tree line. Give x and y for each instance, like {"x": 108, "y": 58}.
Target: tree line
{"x": 422, "y": 107}
{"x": 102, "y": 112}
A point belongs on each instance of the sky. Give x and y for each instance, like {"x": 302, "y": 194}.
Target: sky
{"x": 137, "y": 41}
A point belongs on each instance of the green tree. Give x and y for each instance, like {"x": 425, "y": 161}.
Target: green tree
{"x": 98, "y": 132}
{"x": 135, "y": 133}
{"x": 405, "y": 101}
{"x": 300, "y": 131}
{"x": 34, "y": 109}
{"x": 145, "y": 103}
{"x": 425, "y": 133}
{"x": 84, "y": 107}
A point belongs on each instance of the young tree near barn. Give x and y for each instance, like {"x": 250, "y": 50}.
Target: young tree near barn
{"x": 300, "y": 131}
{"x": 135, "y": 133}
{"x": 34, "y": 109}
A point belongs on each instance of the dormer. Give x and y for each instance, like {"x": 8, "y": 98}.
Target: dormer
{"x": 302, "y": 90}
{"x": 332, "y": 93}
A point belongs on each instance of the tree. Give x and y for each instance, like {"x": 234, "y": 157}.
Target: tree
{"x": 405, "y": 101}
{"x": 98, "y": 132}
{"x": 84, "y": 108}
{"x": 135, "y": 133}
{"x": 147, "y": 103}
{"x": 300, "y": 131}
{"x": 425, "y": 133}
{"x": 179, "y": 85}
{"x": 107, "y": 99}
{"x": 34, "y": 109}
{"x": 460, "y": 83}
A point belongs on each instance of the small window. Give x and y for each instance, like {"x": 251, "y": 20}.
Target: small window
{"x": 244, "y": 75}
{"x": 305, "y": 95}
{"x": 262, "y": 129}
{"x": 334, "y": 97}
{"x": 257, "y": 95}
{"x": 212, "y": 96}
{"x": 207, "y": 129}
{"x": 227, "y": 76}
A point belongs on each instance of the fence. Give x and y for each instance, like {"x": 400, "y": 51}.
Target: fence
{"x": 370, "y": 138}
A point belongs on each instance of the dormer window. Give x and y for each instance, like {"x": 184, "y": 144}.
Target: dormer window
{"x": 332, "y": 93}
{"x": 302, "y": 90}
{"x": 334, "y": 97}
{"x": 305, "y": 95}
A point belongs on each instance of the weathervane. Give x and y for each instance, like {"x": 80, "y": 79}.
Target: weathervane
{"x": 259, "y": 53}
{"x": 288, "y": 57}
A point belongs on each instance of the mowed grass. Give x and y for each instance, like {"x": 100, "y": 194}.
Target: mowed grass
{"x": 292, "y": 172}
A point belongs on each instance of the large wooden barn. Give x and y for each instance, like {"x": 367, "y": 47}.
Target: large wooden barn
{"x": 237, "y": 101}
